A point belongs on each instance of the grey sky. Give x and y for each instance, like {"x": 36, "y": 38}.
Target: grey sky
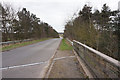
{"x": 57, "y": 12}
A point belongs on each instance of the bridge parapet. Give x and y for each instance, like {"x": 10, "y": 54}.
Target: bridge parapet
{"x": 99, "y": 64}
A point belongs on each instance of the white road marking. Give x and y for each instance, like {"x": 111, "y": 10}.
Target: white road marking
{"x": 63, "y": 57}
{"x": 32, "y": 64}
{"x": 25, "y": 65}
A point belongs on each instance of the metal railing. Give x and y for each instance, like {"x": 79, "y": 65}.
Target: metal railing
{"x": 99, "y": 64}
{"x": 14, "y": 42}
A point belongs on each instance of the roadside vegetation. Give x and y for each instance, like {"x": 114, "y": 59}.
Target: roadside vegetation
{"x": 22, "y": 24}
{"x": 97, "y": 29}
{"x": 65, "y": 45}
{"x": 12, "y": 46}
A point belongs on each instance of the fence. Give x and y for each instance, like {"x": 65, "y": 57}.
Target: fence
{"x": 14, "y": 42}
{"x": 99, "y": 64}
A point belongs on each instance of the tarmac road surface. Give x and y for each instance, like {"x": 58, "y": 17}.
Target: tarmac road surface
{"x": 28, "y": 61}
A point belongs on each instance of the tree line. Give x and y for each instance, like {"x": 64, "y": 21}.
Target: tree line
{"x": 22, "y": 24}
{"x": 99, "y": 29}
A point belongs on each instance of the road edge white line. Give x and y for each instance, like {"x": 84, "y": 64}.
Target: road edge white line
{"x": 44, "y": 72}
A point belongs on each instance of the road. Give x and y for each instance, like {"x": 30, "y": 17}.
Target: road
{"x": 28, "y": 61}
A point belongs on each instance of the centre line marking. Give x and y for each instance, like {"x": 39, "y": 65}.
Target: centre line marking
{"x": 25, "y": 65}
{"x": 32, "y": 64}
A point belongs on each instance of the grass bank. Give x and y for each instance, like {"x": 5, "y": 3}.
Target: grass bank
{"x": 12, "y": 46}
{"x": 65, "y": 45}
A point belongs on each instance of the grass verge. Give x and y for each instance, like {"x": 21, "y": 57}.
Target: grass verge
{"x": 65, "y": 45}
{"x": 12, "y": 46}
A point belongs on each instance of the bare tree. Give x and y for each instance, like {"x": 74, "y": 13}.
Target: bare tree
{"x": 8, "y": 16}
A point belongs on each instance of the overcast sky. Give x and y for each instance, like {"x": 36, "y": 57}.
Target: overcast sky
{"x": 57, "y": 12}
